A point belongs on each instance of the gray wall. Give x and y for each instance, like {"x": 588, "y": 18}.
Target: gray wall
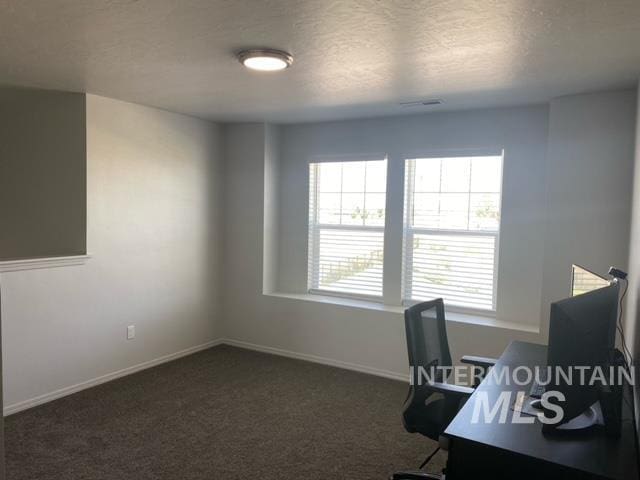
{"x": 591, "y": 141}
{"x": 272, "y": 175}
{"x": 345, "y": 335}
{"x": 632, "y": 316}
{"x": 521, "y": 132}
{"x": 163, "y": 261}
{"x": 244, "y": 213}
{"x": 154, "y": 235}
{"x": 42, "y": 173}
{"x": 589, "y": 153}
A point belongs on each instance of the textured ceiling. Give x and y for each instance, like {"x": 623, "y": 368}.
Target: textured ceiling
{"x": 353, "y": 58}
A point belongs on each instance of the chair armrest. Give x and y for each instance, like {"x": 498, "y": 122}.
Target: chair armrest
{"x": 483, "y": 362}
{"x": 449, "y": 389}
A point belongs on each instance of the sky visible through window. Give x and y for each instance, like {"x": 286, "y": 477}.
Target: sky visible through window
{"x": 459, "y": 193}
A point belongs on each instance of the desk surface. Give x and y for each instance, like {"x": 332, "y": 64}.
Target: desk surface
{"x": 593, "y": 453}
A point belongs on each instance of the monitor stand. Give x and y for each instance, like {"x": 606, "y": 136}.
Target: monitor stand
{"x": 591, "y": 417}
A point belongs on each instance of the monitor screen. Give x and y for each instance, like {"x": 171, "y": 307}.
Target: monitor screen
{"x": 583, "y": 281}
{"x": 581, "y": 334}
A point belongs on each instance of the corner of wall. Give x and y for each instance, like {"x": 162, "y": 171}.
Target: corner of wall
{"x": 270, "y": 213}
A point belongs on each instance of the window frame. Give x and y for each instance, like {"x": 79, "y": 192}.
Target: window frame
{"x": 408, "y": 231}
{"x": 394, "y": 229}
{"x": 314, "y": 226}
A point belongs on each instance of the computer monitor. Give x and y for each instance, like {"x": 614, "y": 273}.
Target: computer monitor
{"x": 581, "y": 334}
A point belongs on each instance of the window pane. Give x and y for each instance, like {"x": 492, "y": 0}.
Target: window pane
{"x": 353, "y": 208}
{"x": 454, "y": 211}
{"x": 441, "y": 193}
{"x": 458, "y": 268}
{"x": 330, "y": 177}
{"x": 426, "y": 210}
{"x": 486, "y": 174}
{"x": 329, "y": 208}
{"x": 455, "y": 174}
{"x": 346, "y": 230}
{"x": 353, "y": 175}
{"x": 484, "y": 211}
{"x": 448, "y": 199}
{"x": 376, "y": 177}
{"x": 427, "y": 176}
{"x": 375, "y": 207}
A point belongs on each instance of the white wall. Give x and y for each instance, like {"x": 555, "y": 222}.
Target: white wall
{"x": 347, "y": 335}
{"x": 591, "y": 142}
{"x": 271, "y": 253}
{"x": 521, "y": 132}
{"x": 632, "y": 311}
{"x": 632, "y": 317}
{"x": 169, "y": 258}
{"x": 154, "y": 234}
{"x": 591, "y": 133}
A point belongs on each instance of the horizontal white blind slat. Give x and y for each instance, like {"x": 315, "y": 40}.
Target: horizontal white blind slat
{"x": 350, "y": 261}
{"x": 443, "y": 271}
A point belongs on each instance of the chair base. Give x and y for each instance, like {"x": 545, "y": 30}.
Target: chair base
{"x": 414, "y": 475}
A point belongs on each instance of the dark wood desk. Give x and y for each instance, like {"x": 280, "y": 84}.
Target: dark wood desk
{"x": 520, "y": 451}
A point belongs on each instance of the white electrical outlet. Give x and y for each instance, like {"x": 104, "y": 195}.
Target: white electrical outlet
{"x": 131, "y": 332}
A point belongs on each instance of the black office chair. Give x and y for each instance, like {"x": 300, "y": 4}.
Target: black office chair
{"x": 431, "y": 403}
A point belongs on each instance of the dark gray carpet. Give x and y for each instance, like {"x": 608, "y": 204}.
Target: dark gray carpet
{"x": 224, "y": 413}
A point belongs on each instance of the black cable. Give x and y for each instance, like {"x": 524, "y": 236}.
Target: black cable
{"x": 428, "y": 459}
{"x": 627, "y": 361}
{"x": 620, "y": 328}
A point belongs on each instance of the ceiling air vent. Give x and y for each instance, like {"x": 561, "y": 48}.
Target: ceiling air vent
{"x": 422, "y": 103}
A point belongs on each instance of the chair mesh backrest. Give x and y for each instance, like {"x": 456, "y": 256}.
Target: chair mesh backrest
{"x": 427, "y": 341}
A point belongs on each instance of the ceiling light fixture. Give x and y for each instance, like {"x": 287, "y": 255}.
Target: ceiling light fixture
{"x": 265, "y": 59}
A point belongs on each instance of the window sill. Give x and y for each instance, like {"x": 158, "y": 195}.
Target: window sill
{"x": 40, "y": 263}
{"x": 473, "y": 319}
{"x": 336, "y": 300}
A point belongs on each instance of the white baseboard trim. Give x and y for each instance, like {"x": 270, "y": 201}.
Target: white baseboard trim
{"x": 317, "y": 359}
{"x": 63, "y": 392}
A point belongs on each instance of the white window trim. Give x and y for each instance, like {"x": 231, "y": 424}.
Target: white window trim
{"x": 355, "y": 296}
{"x": 40, "y": 263}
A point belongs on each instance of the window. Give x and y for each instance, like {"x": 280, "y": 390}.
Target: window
{"x": 449, "y": 247}
{"x": 452, "y": 227}
{"x": 346, "y": 227}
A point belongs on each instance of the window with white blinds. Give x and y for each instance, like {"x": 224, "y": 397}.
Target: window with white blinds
{"x": 452, "y": 229}
{"x": 346, "y": 227}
